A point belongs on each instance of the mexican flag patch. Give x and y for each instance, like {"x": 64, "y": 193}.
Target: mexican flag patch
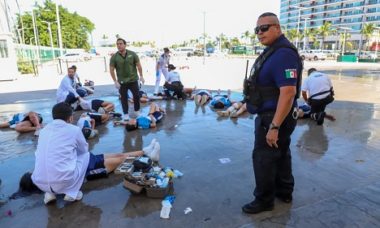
{"x": 291, "y": 73}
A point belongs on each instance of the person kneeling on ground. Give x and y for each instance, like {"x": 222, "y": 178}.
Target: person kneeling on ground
{"x": 173, "y": 84}
{"x": 221, "y": 101}
{"x": 145, "y": 122}
{"x": 234, "y": 111}
{"x": 63, "y": 160}
{"x": 25, "y": 122}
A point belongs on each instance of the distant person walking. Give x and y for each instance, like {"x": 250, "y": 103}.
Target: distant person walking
{"x": 126, "y": 63}
{"x": 162, "y": 68}
{"x": 317, "y": 91}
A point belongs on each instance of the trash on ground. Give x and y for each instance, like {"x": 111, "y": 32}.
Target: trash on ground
{"x": 224, "y": 160}
{"x": 187, "y": 210}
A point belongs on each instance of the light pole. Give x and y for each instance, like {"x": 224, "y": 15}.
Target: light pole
{"x": 298, "y": 22}
{"x": 304, "y": 31}
{"x": 51, "y": 38}
{"x": 59, "y": 28}
{"x": 35, "y": 36}
{"x": 204, "y": 37}
{"x": 345, "y": 29}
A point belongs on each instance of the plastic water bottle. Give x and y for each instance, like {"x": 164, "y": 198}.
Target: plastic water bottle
{"x": 165, "y": 210}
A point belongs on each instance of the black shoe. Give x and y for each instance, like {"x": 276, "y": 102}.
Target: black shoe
{"x": 255, "y": 207}
{"x": 115, "y": 114}
{"x": 285, "y": 198}
{"x": 321, "y": 118}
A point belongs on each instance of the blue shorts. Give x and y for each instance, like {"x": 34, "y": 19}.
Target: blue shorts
{"x": 96, "y": 162}
{"x": 97, "y": 117}
{"x": 96, "y": 104}
{"x": 157, "y": 115}
{"x": 203, "y": 93}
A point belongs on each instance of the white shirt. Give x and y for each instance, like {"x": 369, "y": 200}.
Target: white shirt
{"x": 62, "y": 159}
{"x": 163, "y": 61}
{"x": 173, "y": 76}
{"x": 67, "y": 85}
{"x": 86, "y": 105}
{"x": 84, "y": 121}
{"x": 315, "y": 83}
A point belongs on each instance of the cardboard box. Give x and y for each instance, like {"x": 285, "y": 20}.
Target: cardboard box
{"x": 159, "y": 193}
{"x": 132, "y": 186}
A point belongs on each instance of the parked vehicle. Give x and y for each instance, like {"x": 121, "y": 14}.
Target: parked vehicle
{"x": 75, "y": 57}
{"x": 184, "y": 51}
{"x": 313, "y": 55}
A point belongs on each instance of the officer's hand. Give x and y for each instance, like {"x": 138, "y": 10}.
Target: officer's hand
{"x": 142, "y": 80}
{"x": 157, "y": 73}
{"x": 117, "y": 85}
{"x": 272, "y": 138}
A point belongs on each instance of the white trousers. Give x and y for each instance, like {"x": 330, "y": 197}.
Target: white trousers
{"x": 163, "y": 71}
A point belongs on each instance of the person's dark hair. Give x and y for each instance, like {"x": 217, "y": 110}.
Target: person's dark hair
{"x": 62, "y": 111}
{"x": 268, "y": 14}
{"x": 73, "y": 67}
{"x": 131, "y": 127}
{"x": 86, "y": 132}
{"x": 166, "y": 49}
{"x": 26, "y": 183}
{"x": 219, "y": 105}
{"x": 118, "y": 39}
{"x": 311, "y": 70}
{"x": 171, "y": 67}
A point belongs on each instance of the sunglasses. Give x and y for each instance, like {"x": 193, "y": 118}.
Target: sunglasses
{"x": 263, "y": 28}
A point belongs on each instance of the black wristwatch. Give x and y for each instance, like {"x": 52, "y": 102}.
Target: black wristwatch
{"x": 272, "y": 126}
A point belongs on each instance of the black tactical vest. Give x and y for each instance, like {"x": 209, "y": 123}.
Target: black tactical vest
{"x": 256, "y": 95}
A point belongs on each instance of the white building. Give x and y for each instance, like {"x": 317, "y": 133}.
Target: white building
{"x": 8, "y": 58}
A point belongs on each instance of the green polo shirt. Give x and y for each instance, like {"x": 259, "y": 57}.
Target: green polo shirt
{"x": 125, "y": 66}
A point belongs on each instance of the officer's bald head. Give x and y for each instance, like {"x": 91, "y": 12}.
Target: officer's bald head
{"x": 268, "y": 28}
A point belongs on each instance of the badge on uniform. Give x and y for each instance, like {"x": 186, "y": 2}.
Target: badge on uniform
{"x": 291, "y": 73}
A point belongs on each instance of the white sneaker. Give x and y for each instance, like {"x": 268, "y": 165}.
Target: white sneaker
{"x": 126, "y": 117}
{"x": 49, "y": 197}
{"x": 71, "y": 199}
{"x": 101, "y": 110}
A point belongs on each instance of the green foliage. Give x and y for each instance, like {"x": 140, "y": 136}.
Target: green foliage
{"x": 368, "y": 30}
{"x": 75, "y": 28}
{"x": 25, "y": 67}
{"x": 292, "y": 34}
{"x": 324, "y": 31}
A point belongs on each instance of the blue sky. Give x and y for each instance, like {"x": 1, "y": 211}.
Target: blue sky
{"x": 167, "y": 21}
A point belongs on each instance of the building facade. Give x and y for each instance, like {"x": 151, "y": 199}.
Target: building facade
{"x": 345, "y": 16}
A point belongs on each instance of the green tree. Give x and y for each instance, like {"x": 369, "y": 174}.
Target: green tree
{"x": 75, "y": 28}
{"x": 252, "y": 39}
{"x": 235, "y": 41}
{"x": 246, "y": 36}
{"x": 292, "y": 34}
{"x": 324, "y": 31}
{"x": 367, "y": 31}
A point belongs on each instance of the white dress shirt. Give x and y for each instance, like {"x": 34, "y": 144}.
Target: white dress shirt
{"x": 62, "y": 159}
{"x": 173, "y": 76}
{"x": 317, "y": 82}
{"x": 67, "y": 85}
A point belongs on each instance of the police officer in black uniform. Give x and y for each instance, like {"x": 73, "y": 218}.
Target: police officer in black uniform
{"x": 271, "y": 91}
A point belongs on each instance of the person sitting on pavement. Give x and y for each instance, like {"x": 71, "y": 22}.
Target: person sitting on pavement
{"x": 317, "y": 91}
{"x": 221, "y": 101}
{"x": 63, "y": 160}
{"x": 144, "y": 122}
{"x": 173, "y": 84}
{"x": 201, "y": 97}
{"x": 25, "y": 122}
{"x": 66, "y": 91}
{"x": 82, "y": 90}
{"x": 235, "y": 110}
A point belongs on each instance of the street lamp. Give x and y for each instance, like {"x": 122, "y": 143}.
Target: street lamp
{"x": 51, "y": 38}
{"x": 299, "y": 19}
{"x": 304, "y": 31}
{"x": 345, "y": 29}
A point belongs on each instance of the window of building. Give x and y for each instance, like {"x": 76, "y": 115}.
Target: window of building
{"x": 3, "y": 49}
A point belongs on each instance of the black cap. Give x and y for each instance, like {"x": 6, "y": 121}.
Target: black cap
{"x": 171, "y": 67}
{"x": 166, "y": 50}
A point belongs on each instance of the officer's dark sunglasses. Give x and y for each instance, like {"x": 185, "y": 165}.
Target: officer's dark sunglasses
{"x": 263, "y": 28}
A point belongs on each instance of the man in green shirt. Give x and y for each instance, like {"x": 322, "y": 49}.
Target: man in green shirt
{"x": 126, "y": 63}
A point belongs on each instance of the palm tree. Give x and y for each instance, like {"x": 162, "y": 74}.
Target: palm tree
{"x": 246, "y": 35}
{"x": 253, "y": 39}
{"x": 292, "y": 34}
{"x": 310, "y": 35}
{"x": 367, "y": 31}
{"x": 324, "y": 31}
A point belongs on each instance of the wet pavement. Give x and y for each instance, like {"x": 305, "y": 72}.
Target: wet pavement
{"x": 335, "y": 167}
